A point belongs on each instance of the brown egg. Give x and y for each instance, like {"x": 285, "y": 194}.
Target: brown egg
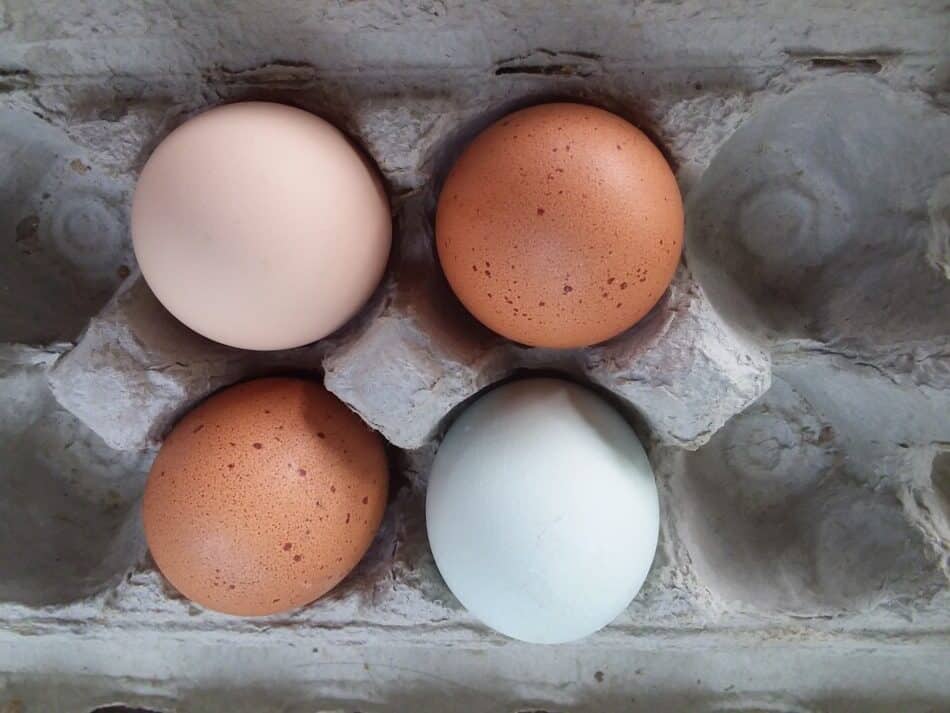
{"x": 560, "y": 226}
{"x": 264, "y": 497}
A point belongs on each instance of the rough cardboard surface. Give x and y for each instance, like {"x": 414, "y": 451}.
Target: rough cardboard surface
{"x": 70, "y": 523}
{"x": 792, "y": 385}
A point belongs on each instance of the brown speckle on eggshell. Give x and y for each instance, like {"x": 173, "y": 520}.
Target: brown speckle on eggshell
{"x": 234, "y": 517}
{"x": 566, "y": 230}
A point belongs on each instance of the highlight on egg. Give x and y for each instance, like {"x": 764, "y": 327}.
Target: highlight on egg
{"x": 560, "y": 225}
{"x": 260, "y": 226}
{"x": 542, "y": 511}
{"x": 264, "y": 497}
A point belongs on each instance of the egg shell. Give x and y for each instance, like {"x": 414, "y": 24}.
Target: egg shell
{"x": 260, "y": 226}
{"x": 561, "y": 225}
{"x": 264, "y": 497}
{"x": 542, "y": 511}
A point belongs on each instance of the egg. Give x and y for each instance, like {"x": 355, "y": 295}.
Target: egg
{"x": 260, "y": 226}
{"x": 542, "y": 511}
{"x": 560, "y": 225}
{"x": 264, "y": 497}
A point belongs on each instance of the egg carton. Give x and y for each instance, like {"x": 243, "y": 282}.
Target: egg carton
{"x": 792, "y": 386}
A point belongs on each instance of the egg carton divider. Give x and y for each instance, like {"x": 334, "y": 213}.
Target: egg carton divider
{"x": 792, "y": 386}
{"x": 404, "y": 364}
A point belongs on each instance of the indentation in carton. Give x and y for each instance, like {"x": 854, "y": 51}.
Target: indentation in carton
{"x": 811, "y": 221}
{"x": 775, "y": 519}
{"x": 64, "y": 225}
{"x": 69, "y": 521}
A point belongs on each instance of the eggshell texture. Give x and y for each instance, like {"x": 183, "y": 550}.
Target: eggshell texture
{"x": 259, "y": 226}
{"x": 542, "y": 511}
{"x": 560, "y": 226}
{"x": 264, "y": 497}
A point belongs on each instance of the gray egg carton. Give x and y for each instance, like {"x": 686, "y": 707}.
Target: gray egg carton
{"x": 792, "y": 387}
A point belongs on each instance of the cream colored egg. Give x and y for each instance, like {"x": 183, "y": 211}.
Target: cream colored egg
{"x": 260, "y": 226}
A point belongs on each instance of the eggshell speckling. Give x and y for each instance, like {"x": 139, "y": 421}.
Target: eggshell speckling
{"x": 264, "y": 497}
{"x": 560, "y": 225}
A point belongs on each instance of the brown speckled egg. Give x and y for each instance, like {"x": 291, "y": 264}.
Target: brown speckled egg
{"x": 560, "y": 225}
{"x": 264, "y": 497}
